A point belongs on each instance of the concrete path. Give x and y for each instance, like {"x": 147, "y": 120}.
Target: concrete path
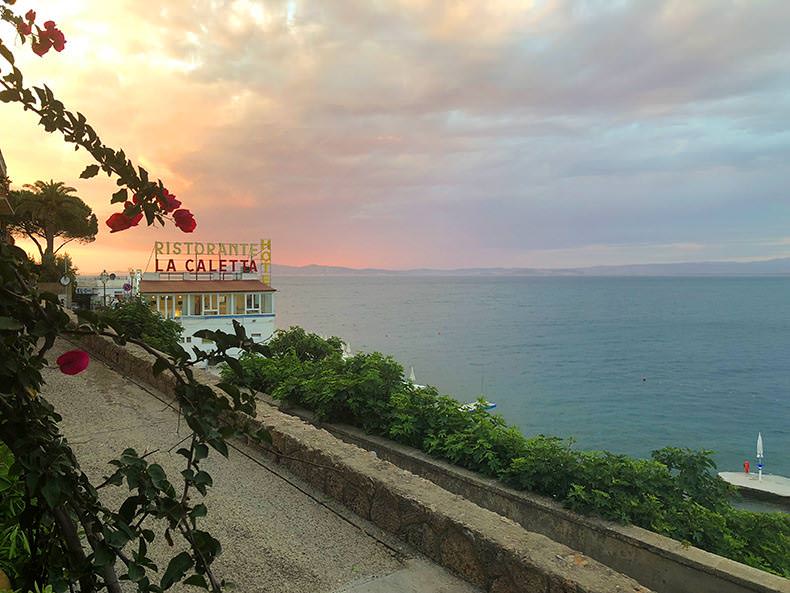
{"x": 778, "y": 486}
{"x": 278, "y": 534}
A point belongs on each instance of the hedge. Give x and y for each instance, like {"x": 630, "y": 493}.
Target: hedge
{"x": 675, "y": 493}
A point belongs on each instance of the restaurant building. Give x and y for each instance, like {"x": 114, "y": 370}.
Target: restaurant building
{"x": 208, "y": 285}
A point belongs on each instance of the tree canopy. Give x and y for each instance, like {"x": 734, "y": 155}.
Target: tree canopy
{"x": 46, "y": 212}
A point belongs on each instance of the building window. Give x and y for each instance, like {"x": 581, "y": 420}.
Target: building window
{"x": 268, "y": 303}
{"x": 239, "y": 304}
{"x": 197, "y": 304}
{"x": 253, "y": 302}
{"x": 224, "y": 304}
{"x": 188, "y": 339}
{"x": 210, "y": 304}
{"x": 166, "y": 306}
{"x": 179, "y": 305}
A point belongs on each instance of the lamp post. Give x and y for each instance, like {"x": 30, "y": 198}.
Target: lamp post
{"x": 104, "y": 276}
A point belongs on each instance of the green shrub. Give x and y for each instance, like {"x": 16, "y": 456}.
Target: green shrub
{"x": 547, "y": 466}
{"x": 674, "y": 493}
{"x": 143, "y": 323}
{"x": 305, "y": 346}
{"x": 14, "y": 547}
{"x": 763, "y": 539}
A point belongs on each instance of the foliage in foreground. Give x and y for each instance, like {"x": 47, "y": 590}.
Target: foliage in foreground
{"x": 73, "y": 537}
{"x": 138, "y": 320}
{"x": 58, "y": 534}
{"x": 673, "y": 493}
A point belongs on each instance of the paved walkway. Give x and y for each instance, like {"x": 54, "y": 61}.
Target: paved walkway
{"x": 770, "y": 484}
{"x": 278, "y": 534}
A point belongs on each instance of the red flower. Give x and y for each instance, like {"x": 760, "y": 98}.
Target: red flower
{"x": 49, "y": 36}
{"x": 73, "y": 362}
{"x": 137, "y": 217}
{"x": 120, "y": 222}
{"x": 42, "y": 46}
{"x": 169, "y": 202}
{"x": 184, "y": 220}
{"x": 58, "y": 40}
{"x": 30, "y": 15}
{"x": 24, "y": 29}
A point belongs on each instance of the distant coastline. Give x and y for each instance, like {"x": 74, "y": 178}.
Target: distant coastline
{"x": 771, "y": 267}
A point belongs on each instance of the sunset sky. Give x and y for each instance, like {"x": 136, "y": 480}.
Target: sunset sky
{"x": 410, "y": 133}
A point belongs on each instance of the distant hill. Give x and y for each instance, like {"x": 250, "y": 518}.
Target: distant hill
{"x": 772, "y": 267}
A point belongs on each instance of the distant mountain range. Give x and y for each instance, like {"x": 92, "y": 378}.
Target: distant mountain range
{"x": 771, "y": 267}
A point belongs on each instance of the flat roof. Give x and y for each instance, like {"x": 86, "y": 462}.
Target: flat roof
{"x": 178, "y": 286}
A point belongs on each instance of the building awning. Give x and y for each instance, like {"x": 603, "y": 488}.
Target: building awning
{"x": 187, "y": 286}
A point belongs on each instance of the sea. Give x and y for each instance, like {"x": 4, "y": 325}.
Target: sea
{"x": 626, "y": 364}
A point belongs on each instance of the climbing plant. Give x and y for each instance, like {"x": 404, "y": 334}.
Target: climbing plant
{"x": 68, "y": 538}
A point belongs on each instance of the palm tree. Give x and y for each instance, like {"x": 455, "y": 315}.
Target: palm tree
{"x": 47, "y": 210}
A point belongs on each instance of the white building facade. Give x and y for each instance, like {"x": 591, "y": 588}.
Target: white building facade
{"x": 208, "y": 285}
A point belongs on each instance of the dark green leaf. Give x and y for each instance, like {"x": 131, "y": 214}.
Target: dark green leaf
{"x": 176, "y": 570}
{"x": 6, "y": 53}
{"x": 158, "y": 476}
{"x": 197, "y": 580}
{"x": 90, "y": 171}
{"x": 103, "y": 555}
{"x": 136, "y": 572}
{"x": 264, "y": 435}
{"x": 9, "y": 324}
{"x": 230, "y": 389}
{"x": 201, "y": 451}
{"x": 119, "y": 196}
{"x": 160, "y": 365}
{"x": 205, "y": 333}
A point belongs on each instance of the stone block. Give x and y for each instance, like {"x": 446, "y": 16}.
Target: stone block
{"x": 384, "y": 510}
{"x": 459, "y": 554}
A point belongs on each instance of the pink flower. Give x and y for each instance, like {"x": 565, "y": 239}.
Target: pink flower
{"x": 30, "y": 15}
{"x": 73, "y": 362}
{"x": 185, "y": 220}
{"x": 24, "y": 29}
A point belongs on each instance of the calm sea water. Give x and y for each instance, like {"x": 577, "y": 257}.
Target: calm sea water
{"x": 567, "y": 356}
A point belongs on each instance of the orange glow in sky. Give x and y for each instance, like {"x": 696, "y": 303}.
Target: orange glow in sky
{"x": 414, "y": 133}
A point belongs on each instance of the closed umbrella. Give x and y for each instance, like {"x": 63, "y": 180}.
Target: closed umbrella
{"x": 760, "y": 456}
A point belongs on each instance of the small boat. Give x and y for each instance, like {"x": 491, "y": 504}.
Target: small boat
{"x": 413, "y": 379}
{"x": 481, "y": 404}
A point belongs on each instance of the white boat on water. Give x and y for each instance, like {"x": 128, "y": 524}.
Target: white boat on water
{"x": 478, "y": 405}
{"x": 413, "y": 379}
{"x": 481, "y": 404}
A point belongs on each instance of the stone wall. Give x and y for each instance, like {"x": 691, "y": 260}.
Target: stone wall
{"x": 661, "y": 563}
{"x": 487, "y": 549}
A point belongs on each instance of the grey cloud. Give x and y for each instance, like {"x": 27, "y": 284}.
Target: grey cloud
{"x": 603, "y": 122}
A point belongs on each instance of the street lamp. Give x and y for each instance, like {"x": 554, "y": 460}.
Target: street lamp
{"x": 104, "y": 276}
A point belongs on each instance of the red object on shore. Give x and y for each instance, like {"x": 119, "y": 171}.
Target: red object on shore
{"x": 746, "y": 466}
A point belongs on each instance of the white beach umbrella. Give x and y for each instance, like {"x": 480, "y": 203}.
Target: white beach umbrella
{"x": 760, "y": 456}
